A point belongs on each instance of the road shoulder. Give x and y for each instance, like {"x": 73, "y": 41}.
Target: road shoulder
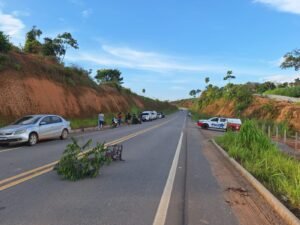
{"x": 247, "y": 204}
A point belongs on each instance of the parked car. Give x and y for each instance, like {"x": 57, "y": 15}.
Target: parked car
{"x": 146, "y": 116}
{"x": 153, "y": 115}
{"x": 160, "y": 115}
{"x": 33, "y": 128}
{"x": 221, "y": 123}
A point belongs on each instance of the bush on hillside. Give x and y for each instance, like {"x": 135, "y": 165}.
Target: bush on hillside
{"x": 241, "y": 94}
{"x": 5, "y": 45}
{"x": 286, "y": 91}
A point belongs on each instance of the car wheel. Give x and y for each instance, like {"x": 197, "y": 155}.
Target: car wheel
{"x": 64, "y": 134}
{"x": 4, "y": 145}
{"x": 33, "y": 139}
{"x": 205, "y": 126}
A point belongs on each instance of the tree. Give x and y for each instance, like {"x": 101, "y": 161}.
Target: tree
{"x": 291, "y": 59}
{"x": 32, "y": 45}
{"x": 5, "y": 45}
{"x": 297, "y": 82}
{"x": 229, "y": 76}
{"x": 58, "y": 46}
{"x": 198, "y": 91}
{"x": 109, "y": 76}
{"x": 144, "y": 90}
{"x": 193, "y": 93}
{"x": 266, "y": 86}
{"x": 65, "y": 40}
{"x": 207, "y": 80}
{"x": 49, "y": 47}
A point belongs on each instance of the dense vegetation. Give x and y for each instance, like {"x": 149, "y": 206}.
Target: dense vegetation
{"x": 260, "y": 156}
{"x": 286, "y": 91}
{"x": 241, "y": 94}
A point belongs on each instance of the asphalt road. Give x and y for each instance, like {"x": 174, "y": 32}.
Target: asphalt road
{"x": 165, "y": 179}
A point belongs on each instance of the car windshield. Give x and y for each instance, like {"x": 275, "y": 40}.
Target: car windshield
{"x": 27, "y": 120}
{"x": 145, "y": 114}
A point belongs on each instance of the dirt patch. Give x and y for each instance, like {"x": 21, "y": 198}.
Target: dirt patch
{"x": 248, "y": 206}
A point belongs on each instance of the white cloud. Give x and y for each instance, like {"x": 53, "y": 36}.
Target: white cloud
{"x": 11, "y": 25}
{"x": 178, "y": 88}
{"x": 20, "y": 13}
{"x": 151, "y": 61}
{"x": 291, "y": 6}
{"x": 86, "y": 13}
{"x": 281, "y": 78}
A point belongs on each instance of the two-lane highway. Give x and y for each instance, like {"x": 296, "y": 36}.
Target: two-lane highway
{"x": 18, "y": 159}
{"x": 166, "y": 178}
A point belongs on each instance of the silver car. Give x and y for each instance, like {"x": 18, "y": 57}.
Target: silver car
{"x": 33, "y": 128}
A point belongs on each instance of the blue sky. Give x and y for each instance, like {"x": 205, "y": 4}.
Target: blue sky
{"x": 167, "y": 47}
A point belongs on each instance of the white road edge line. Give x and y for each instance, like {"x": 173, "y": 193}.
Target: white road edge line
{"x": 161, "y": 213}
{"x": 10, "y": 149}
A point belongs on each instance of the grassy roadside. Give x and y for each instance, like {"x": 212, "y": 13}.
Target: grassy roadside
{"x": 256, "y": 153}
{"x": 199, "y": 116}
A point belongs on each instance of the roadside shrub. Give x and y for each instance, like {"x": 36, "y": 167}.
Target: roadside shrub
{"x": 286, "y": 91}
{"x": 256, "y": 152}
{"x": 5, "y": 45}
{"x": 76, "y": 163}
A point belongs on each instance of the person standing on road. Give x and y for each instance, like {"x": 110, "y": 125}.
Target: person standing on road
{"x": 128, "y": 118}
{"x": 100, "y": 120}
{"x": 119, "y": 118}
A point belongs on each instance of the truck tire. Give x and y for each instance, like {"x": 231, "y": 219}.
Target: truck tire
{"x": 205, "y": 126}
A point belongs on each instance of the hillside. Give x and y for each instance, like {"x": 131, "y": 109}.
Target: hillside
{"x": 260, "y": 108}
{"x": 32, "y": 84}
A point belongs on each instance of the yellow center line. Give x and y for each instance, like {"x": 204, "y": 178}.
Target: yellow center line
{"x": 28, "y": 175}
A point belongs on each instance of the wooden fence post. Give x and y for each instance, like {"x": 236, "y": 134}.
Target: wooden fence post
{"x": 269, "y": 131}
{"x": 296, "y": 141}
{"x": 284, "y": 136}
{"x": 277, "y": 133}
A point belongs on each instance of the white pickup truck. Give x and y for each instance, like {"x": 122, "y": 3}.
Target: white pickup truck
{"x": 221, "y": 123}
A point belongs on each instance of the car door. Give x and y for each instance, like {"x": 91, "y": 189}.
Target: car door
{"x": 223, "y": 123}
{"x": 45, "y": 128}
{"x": 57, "y": 126}
{"x": 214, "y": 122}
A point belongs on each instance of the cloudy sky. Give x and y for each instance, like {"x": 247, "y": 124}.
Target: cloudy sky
{"x": 167, "y": 47}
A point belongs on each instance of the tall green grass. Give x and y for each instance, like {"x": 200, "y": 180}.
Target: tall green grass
{"x": 256, "y": 152}
{"x": 287, "y": 91}
{"x": 198, "y": 116}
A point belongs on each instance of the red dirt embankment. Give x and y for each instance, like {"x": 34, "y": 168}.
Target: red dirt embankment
{"x": 30, "y": 84}
{"x": 33, "y": 95}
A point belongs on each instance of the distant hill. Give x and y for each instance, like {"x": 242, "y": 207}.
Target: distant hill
{"x": 261, "y": 108}
{"x": 185, "y": 103}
